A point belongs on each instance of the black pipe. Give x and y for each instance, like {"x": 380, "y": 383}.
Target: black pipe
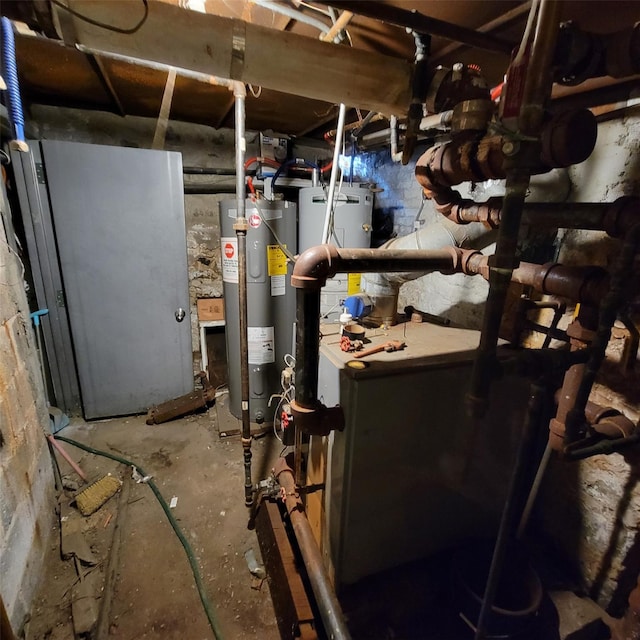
{"x": 426, "y": 24}
{"x": 611, "y": 305}
{"x": 537, "y": 89}
{"x": 501, "y": 267}
{"x": 331, "y": 613}
{"x": 609, "y": 94}
{"x": 207, "y": 171}
{"x": 307, "y": 346}
{"x": 517, "y": 489}
{"x": 566, "y": 215}
{"x": 203, "y": 189}
{"x": 241, "y": 235}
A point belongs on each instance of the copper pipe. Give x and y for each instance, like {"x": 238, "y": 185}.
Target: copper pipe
{"x": 326, "y": 599}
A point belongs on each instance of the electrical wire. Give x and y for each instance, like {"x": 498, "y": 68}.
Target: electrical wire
{"x": 279, "y": 242}
{"x": 288, "y": 392}
{"x": 103, "y": 25}
{"x": 4, "y": 264}
{"x": 208, "y": 609}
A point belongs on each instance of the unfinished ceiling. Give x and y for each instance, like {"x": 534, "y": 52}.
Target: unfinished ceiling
{"x": 54, "y": 71}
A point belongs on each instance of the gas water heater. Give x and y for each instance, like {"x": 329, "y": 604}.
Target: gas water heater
{"x": 351, "y": 228}
{"x": 271, "y": 300}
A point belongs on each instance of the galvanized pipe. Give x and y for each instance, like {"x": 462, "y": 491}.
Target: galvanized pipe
{"x": 328, "y": 216}
{"x": 330, "y": 610}
{"x": 611, "y": 305}
{"x": 241, "y": 226}
{"x": 537, "y": 90}
{"x": 509, "y": 519}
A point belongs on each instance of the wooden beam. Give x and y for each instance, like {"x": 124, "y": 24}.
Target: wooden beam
{"x": 237, "y": 50}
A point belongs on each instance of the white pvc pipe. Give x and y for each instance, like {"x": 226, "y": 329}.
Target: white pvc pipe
{"x": 334, "y": 174}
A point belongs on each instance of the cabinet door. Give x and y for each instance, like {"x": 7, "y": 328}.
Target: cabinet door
{"x": 118, "y": 215}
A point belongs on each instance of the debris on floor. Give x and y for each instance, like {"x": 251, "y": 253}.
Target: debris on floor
{"x": 136, "y": 581}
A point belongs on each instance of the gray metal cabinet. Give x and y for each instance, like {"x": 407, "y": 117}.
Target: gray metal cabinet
{"x": 112, "y": 263}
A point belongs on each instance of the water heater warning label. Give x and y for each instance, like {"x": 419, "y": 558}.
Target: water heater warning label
{"x": 261, "y": 345}
{"x": 229, "y": 248}
{"x": 276, "y": 260}
{"x": 353, "y": 283}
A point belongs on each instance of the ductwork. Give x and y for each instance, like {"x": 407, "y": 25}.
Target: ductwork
{"x": 383, "y": 288}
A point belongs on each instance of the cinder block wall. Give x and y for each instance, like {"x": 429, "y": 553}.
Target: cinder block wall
{"x": 27, "y": 501}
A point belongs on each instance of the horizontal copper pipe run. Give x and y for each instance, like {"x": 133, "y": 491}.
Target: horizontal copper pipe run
{"x": 326, "y": 599}
{"x": 315, "y": 265}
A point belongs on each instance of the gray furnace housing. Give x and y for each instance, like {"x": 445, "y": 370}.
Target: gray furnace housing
{"x": 271, "y": 300}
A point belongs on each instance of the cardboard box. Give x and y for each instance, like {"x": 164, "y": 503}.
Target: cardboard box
{"x": 210, "y": 309}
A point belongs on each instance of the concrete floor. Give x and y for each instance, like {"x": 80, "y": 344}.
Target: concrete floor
{"x": 152, "y": 594}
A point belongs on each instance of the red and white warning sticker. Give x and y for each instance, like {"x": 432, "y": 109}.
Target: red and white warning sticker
{"x": 229, "y": 259}
{"x": 254, "y": 220}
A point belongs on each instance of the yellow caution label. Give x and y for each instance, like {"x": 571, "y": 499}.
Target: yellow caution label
{"x": 353, "y": 283}
{"x": 276, "y": 260}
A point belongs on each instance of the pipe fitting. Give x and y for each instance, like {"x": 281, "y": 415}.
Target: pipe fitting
{"x": 318, "y": 420}
{"x": 608, "y": 422}
{"x": 568, "y": 138}
{"x": 314, "y": 266}
{"x": 621, "y": 216}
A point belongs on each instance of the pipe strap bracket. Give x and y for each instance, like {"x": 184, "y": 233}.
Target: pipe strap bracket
{"x": 238, "y": 47}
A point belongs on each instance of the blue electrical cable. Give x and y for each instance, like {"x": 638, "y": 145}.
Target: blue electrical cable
{"x": 289, "y": 163}
{"x": 11, "y": 78}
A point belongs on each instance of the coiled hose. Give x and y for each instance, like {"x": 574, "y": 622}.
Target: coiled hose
{"x": 11, "y": 78}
